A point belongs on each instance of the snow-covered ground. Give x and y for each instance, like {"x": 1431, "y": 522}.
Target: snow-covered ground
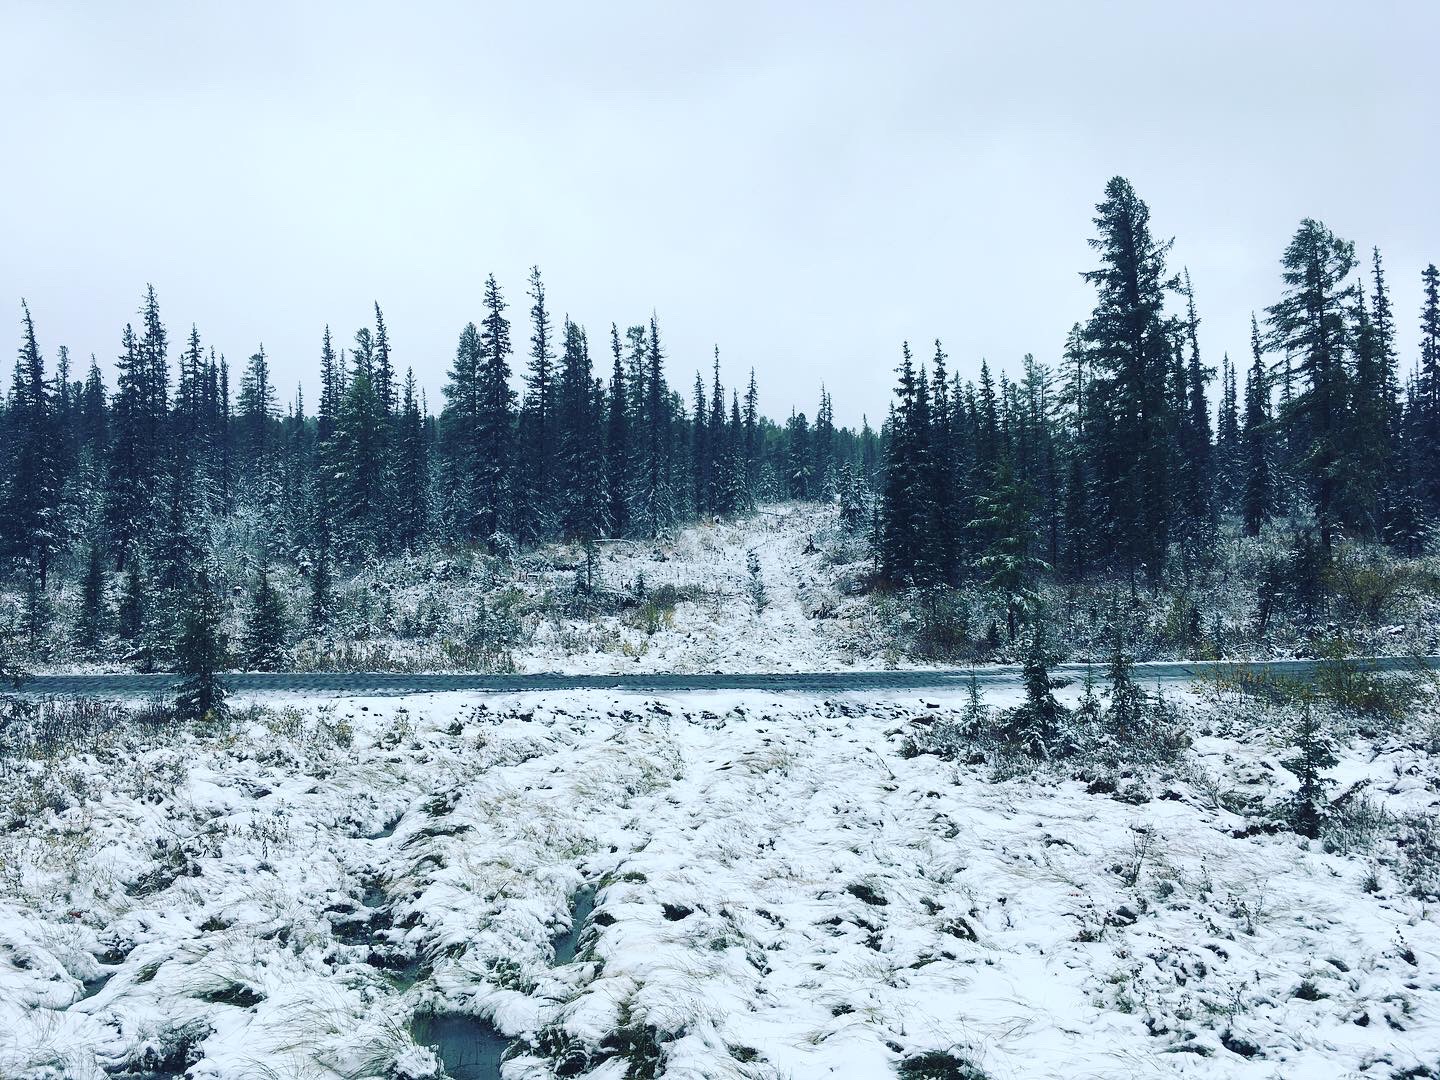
{"x": 688, "y": 603}
{"x": 781, "y": 892}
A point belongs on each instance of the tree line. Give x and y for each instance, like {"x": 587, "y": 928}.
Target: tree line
{"x": 1117, "y": 462}
{"x": 180, "y": 458}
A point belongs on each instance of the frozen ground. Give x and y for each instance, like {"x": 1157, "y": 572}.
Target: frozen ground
{"x": 780, "y": 892}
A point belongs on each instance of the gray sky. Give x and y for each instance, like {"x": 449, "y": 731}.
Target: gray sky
{"x": 804, "y": 184}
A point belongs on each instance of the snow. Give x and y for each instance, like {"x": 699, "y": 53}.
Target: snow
{"x": 781, "y": 893}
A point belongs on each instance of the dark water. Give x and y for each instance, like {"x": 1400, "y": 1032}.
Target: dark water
{"x": 581, "y": 905}
{"x": 388, "y": 830}
{"x": 469, "y": 1048}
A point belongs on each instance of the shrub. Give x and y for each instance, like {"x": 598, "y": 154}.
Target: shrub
{"x": 1313, "y": 755}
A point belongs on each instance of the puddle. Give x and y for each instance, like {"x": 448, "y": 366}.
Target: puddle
{"x": 362, "y": 925}
{"x": 90, "y": 987}
{"x": 468, "y": 1047}
{"x": 389, "y": 830}
{"x": 581, "y": 905}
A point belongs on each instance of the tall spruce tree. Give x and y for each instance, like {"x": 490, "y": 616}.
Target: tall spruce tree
{"x": 1128, "y": 347}
{"x": 32, "y": 527}
{"x": 617, "y": 444}
{"x": 1257, "y": 500}
{"x": 1309, "y": 324}
{"x": 495, "y": 423}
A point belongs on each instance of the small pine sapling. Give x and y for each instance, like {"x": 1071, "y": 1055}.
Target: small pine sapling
{"x": 1041, "y": 725}
{"x": 758, "y": 595}
{"x": 1313, "y": 755}
{"x": 1124, "y": 717}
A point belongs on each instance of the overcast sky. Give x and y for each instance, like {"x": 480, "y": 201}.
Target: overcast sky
{"x": 803, "y": 184}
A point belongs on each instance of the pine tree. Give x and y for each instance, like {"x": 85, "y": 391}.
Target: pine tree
{"x": 904, "y": 517}
{"x": 581, "y": 465}
{"x": 134, "y": 602}
{"x": 412, "y": 468}
{"x": 1313, "y": 755}
{"x": 1428, "y": 389}
{"x": 1228, "y": 453}
{"x": 460, "y": 427}
{"x": 257, "y": 409}
{"x": 751, "y": 420}
{"x": 1126, "y": 711}
{"x": 700, "y": 455}
{"x": 719, "y": 438}
{"x": 1257, "y": 500}
{"x": 1128, "y": 347}
{"x": 617, "y": 443}
{"x": 132, "y": 475}
{"x": 266, "y": 629}
{"x": 1039, "y": 726}
{"x": 1195, "y": 471}
{"x": 495, "y": 422}
{"x": 945, "y": 496}
{"x": 92, "y": 617}
{"x": 200, "y": 656}
{"x": 1365, "y": 458}
{"x": 538, "y": 418}
{"x": 655, "y": 503}
{"x": 1008, "y": 566}
{"x": 322, "y": 598}
{"x": 1309, "y": 323}
{"x": 361, "y": 484}
{"x": 32, "y": 526}
{"x": 759, "y": 598}
{"x": 382, "y": 371}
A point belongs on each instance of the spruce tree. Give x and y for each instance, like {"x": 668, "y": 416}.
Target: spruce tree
{"x": 382, "y": 369}
{"x": 581, "y": 465}
{"x": 1313, "y": 755}
{"x": 1040, "y": 725}
{"x": 1257, "y": 500}
{"x": 460, "y": 428}
{"x": 200, "y": 656}
{"x": 1008, "y": 567}
{"x": 1309, "y": 324}
{"x": 617, "y": 443}
{"x": 1195, "y": 471}
{"x": 266, "y": 627}
{"x": 92, "y": 617}
{"x": 362, "y": 524}
{"x": 1128, "y": 347}
{"x": 538, "y": 417}
{"x": 903, "y": 515}
{"x": 322, "y": 598}
{"x": 32, "y": 525}
{"x": 1427, "y": 388}
{"x": 495, "y": 422}
{"x": 412, "y": 468}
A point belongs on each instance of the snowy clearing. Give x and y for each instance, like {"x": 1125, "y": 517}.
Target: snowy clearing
{"x": 779, "y": 892}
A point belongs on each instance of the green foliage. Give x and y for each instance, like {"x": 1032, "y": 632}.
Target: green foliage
{"x": 200, "y": 655}
{"x": 756, "y": 584}
{"x": 266, "y": 628}
{"x": 1313, "y": 755}
{"x": 1040, "y": 727}
{"x": 90, "y": 626}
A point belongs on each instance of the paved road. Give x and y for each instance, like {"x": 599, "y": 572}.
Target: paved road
{"x": 811, "y": 682}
